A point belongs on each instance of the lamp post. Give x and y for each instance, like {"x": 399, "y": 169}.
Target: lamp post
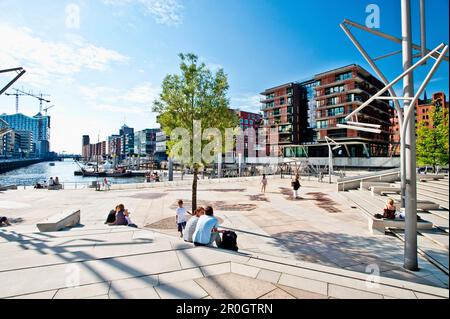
{"x": 410, "y": 259}
{"x": 330, "y": 155}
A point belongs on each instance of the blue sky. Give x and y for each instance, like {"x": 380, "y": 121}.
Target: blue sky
{"x": 107, "y": 69}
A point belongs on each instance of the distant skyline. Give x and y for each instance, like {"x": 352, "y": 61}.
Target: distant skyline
{"x": 103, "y": 61}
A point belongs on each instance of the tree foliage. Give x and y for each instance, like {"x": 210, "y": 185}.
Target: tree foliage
{"x": 196, "y": 94}
{"x": 432, "y": 143}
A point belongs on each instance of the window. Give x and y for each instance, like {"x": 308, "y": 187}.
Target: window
{"x": 344, "y": 76}
{"x": 282, "y": 101}
{"x": 335, "y": 89}
{"x": 322, "y": 124}
{"x": 251, "y": 122}
{"x": 333, "y": 100}
{"x": 289, "y": 91}
{"x": 246, "y": 122}
{"x": 335, "y": 111}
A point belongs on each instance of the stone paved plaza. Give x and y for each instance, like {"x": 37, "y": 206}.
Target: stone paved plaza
{"x": 314, "y": 247}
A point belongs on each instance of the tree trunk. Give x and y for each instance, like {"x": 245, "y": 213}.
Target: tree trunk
{"x": 194, "y": 189}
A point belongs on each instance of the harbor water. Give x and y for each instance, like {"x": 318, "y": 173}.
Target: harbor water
{"x": 30, "y": 175}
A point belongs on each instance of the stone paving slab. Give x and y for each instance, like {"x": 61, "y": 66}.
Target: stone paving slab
{"x": 233, "y": 286}
{"x": 181, "y": 290}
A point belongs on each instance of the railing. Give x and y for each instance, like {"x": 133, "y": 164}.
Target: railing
{"x": 354, "y": 182}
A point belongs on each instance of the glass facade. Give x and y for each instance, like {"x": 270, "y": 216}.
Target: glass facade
{"x": 145, "y": 142}
{"x": 39, "y": 126}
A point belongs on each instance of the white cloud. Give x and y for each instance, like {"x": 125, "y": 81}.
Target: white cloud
{"x": 166, "y": 12}
{"x": 46, "y": 61}
{"x": 247, "y": 102}
{"x": 136, "y": 100}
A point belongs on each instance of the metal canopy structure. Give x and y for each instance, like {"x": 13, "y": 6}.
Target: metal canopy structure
{"x": 19, "y": 72}
{"x": 405, "y": 114}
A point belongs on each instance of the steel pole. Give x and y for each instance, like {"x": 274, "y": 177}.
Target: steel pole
{"x": 423, "y": 35}
{"x": 410, "y": 258}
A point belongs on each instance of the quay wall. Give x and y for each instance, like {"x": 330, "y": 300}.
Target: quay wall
{"x": 8, "y": 166}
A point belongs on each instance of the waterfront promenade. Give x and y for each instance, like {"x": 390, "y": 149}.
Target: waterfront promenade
{"x": 319, "y": 236}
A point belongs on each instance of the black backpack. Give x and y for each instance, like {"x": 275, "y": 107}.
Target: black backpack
{"x": 229, "y": 241}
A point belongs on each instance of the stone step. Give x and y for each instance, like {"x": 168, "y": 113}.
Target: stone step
{"x": 432, "y": 196}
{"x": 435, "y": 188}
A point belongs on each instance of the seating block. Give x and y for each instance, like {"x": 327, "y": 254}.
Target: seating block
{"x": 60, "y": 221}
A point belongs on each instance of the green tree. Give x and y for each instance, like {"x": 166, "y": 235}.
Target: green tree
{"x": 432, "y": 143}
{"x": 194, "y": 95}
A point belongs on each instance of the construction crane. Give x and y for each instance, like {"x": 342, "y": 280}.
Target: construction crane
{"x": 17, "y": 94}
{"x": 48, "y": 108}
{"x": 40, "y": 97}
{"x": 20, "y": 72}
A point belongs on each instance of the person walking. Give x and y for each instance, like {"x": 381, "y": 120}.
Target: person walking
{"x": 296, "y": 186}
{"x": 181, "y": 217}
{"x": 263, "y": 184}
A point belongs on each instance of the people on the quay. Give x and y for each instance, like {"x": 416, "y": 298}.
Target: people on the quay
{"x": 110, "y": 220}
{"x": 38, "y": 186}
{"x": 45, "y": 185}
{"x": 181, "y": 217}
{"x": 264, "y": 184}
{"x": 120, "y": 216}
{"x": 56, "y": 181}
{"x": 296, "y": 186}
{"x": 106, "y": 184}
{"x": 4, "y": 221}
{"x": 389, "y": 210}
{"x": 207, "y": 232}
{"x": 51, "y": 182}
{"x": 120, "y": 219}
{"x": 191, "y": 225}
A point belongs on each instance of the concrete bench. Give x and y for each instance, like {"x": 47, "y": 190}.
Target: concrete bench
{"x": 368, "y": 185}
{"x": 425, "y": 178}
{"x": 55, "y": 187}
{"x": 381, "y": 190}
{"x": 60, "y": 221}
{"x": 379, "y": 225}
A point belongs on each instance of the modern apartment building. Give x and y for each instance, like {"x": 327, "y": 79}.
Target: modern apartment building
{"x": 338, "y": 93}
{"x": 288, "y": 111}
{"x": 305, "y": 113}
{"x": 161, "y": 147}
{"x": 38, "y": 125}
{"x": 145, "y": 142}
{"x": 127, "y": 140}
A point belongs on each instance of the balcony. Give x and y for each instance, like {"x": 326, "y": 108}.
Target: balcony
{"x": 265, "y": 99}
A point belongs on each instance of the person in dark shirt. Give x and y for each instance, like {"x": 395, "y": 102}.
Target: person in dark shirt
{"x": 120, "y": 219}
{"x": 4, "y": 221}
{"x": 112, "y": 216}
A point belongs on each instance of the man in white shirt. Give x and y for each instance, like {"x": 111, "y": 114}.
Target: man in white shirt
{"x": 206, "y": 231}
{"x": 192, "y": 225}
{"x": 181, "y": 217}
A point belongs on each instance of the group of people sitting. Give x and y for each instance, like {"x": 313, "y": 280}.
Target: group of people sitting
{"x": 202, "y": 228}
{"x": 52, "y": 182}
{"x": 152, "y": 178}
{"x": 120, "y": 217}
